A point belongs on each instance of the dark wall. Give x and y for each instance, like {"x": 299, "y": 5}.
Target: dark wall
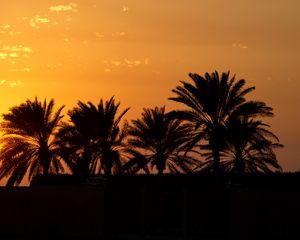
{"x": 192, "y": 209}
{"x": 151, "y": 207}
{"x": 51, "y": 211}
{"x": 265, "y": 213}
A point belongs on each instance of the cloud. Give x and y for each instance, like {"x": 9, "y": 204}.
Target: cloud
{"x": 124, "y": 9}
{"x": 132, "y": 63}
{"x": 17, "y": 48}
{"x": 15, "y": 84}
{"x": 5, "y": 26}
{"x": 36, "y": 21}
{"x": 125, "y": 63}
{"x": 99, "y": 35}
{"x": 11, "y": 83}
{"x": 7, "y": 29}
{"x": 116, "y": 63}
{"x": 3, "y": 55}
{"x": 239, "y": 45}
{"x": 64, "y": 8}
{"x": 119, "y": 34}
{"x": 26, "y": 69}
{"x": 14, "y": 55}
{"x": 12, "y": 33}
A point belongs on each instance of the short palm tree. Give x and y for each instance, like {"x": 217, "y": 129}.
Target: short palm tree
{"x": 250, "y": 147}
{"x": 27, "y": 141}
{"x": 212, "y": 100}
{"x": 161, "y": 142}
{"x": 92, "y": 142}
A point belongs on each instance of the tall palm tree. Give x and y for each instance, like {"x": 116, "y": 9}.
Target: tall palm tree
{"x": 160, "y": 141}
{"x": 27, "y": 141}
{"x": 212, "y": 100}
{"x": 93, "y": 140}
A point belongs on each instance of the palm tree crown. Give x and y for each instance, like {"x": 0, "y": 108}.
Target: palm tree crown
{"x": 92, "y": 141}
{"x": 27, "y": 141}
{"x": 250, "y": 147}
{"x": 160, "y": 141}
{"x": 212, "y": 100}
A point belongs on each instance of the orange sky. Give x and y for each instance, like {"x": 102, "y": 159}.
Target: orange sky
{"x": 139, "y": 50}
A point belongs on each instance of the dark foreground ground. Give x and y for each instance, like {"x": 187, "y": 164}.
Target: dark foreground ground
{"x": 151, "y": 207}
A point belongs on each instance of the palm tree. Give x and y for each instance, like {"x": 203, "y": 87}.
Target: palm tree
{"x": 212, "y": 100}
{"x": 250, "y": 147}
{"x": 92, "y": 142}
{"x": 160, "y": 141}
{"x": 27, "y": 141}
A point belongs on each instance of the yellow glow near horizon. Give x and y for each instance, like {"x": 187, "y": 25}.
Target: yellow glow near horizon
{"x": 139, "y": 50}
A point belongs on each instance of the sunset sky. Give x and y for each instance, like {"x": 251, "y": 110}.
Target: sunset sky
{"x": 139, "y": 50}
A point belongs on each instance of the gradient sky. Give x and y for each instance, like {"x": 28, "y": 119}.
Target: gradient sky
{"x": 139, "y": 50}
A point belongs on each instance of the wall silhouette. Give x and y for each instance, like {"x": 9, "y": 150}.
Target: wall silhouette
{"x": 151, "y": 207}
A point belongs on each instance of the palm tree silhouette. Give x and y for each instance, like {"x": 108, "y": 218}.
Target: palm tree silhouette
{"x": 212, "y": 100}
{"x": 250, "y": 147}
{"x": 92, "y": 141}
{"x": 27, "y": 141}
{"x": 160, "y": 141}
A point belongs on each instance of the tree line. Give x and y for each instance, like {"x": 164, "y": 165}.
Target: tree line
{"x": 219, "y": 130}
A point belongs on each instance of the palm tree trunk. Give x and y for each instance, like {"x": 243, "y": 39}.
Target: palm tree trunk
{"x": 161, "y": 164}
{"x": 107, "y": 165}
{"x": 84, "y": 165}
{"x": 239, "y": 163}
{"x": 45, "y": 170}
{"x": 216, "y": 163}
{"x": 160, "y": 171}
{"x": 45, "y": 163}
{"x": 108, "y": 171}
{"x": 214, "y": 143}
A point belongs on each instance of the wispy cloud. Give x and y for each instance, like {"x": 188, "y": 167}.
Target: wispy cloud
{"x": 26, "y": 69}
{"x": 125, "y": 63}
{"x": 13, "y": 33}
{"x": 14, "y": 55}
{"x": 3, "y": 55}
{"x": 132, "y": 63}
{"x": 6, "y": 29}
{"x": 240, "y": 45}
{"x": 124, "y": 9}
{"x": 11, "y": 83}
{"x": 17, "y": 48}
{"x": 116, "y": 63}
{"x": 99, "y": 35}
{"x": 64, "y": 8}
{"x": 5, "y": 26}
{"x": 15, "y": 84}
{"x": 36, "y": 21}
{"x": 119, "y": 34}
{"x": 11, "y": 54}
